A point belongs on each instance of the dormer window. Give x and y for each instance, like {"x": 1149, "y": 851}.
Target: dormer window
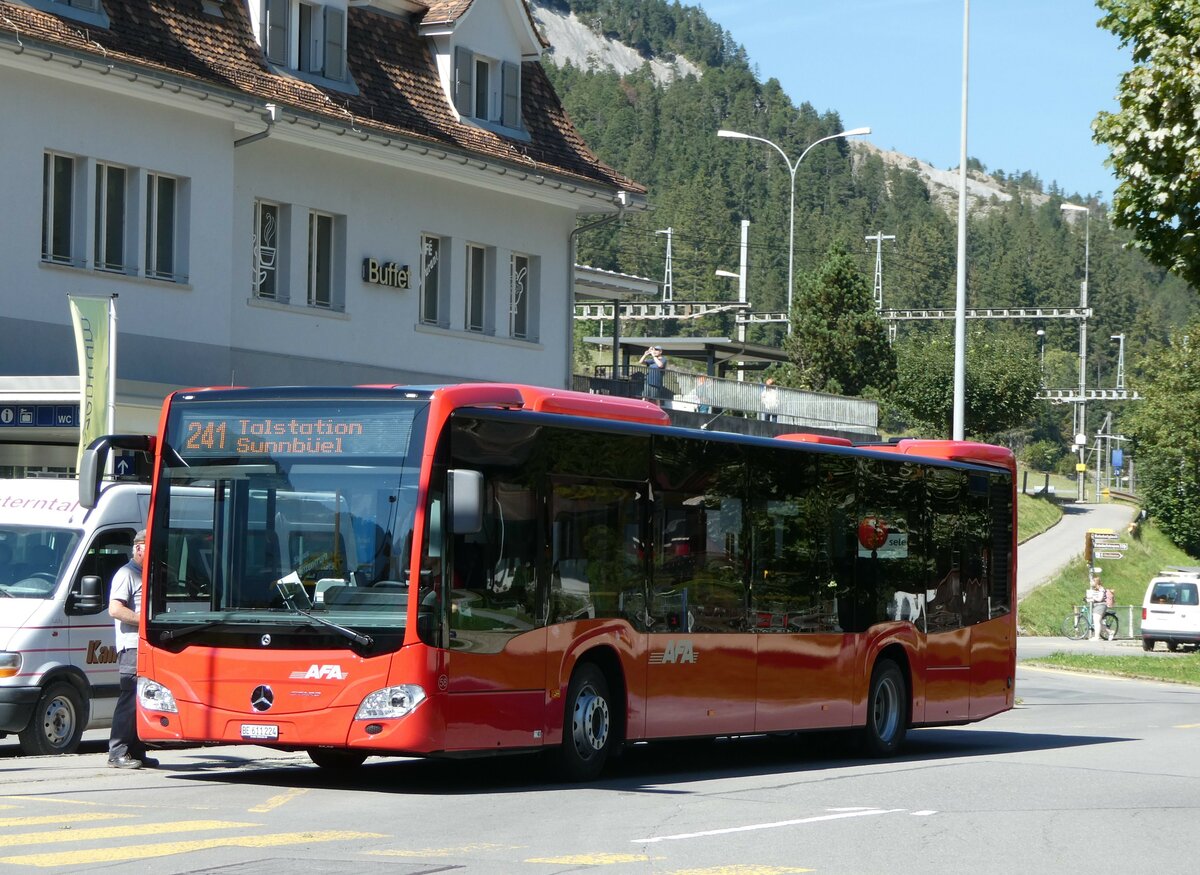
{"x": 306, "y": 37}
{"x": 486, "y": 89}
{"x": 84, "y": 11}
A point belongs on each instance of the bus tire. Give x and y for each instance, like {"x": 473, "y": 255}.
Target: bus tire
{"x": 887, "y": 710}
{"x": 587, "y": 725}
{"x": 336, "y": 760}
{"x": 57, "y": 722}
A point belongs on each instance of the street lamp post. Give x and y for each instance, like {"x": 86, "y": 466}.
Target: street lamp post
{"x": 1081, "y": 429}
{"x": 738, "y": 135}
{"x": 1041, "y": 335}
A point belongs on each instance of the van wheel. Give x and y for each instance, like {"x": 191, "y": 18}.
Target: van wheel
{"x": 328, "y": 758}
{"x": 587, "y": 728}
{"x": 1147, "y": 644}
{"x": 887, "y": 710}
{"x": 57, "y": 722}
{"x": 1172, "y": 646}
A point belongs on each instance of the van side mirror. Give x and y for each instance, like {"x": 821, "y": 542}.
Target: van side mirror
{"x": 465, "y": 491}
{"x": 87, "y": 600}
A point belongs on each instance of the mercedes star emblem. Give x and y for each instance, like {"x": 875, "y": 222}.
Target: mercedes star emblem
{"x": 266, "y": 641}
{"x": 262, "y": 698}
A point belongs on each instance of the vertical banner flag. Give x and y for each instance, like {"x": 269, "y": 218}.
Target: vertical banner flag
{"x": 91, "y": 318}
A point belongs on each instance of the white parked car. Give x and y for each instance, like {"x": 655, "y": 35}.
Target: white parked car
{"x": 1171, "y": 609}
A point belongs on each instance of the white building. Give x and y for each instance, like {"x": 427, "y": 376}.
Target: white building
{"x": 281, "y": 192}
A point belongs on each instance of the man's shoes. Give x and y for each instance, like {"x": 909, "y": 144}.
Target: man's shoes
{"x": 149, "y": 762}
{"x": 125, "y": 762}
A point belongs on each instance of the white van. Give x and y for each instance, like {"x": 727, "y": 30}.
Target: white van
{"x": 58, "y": 663}
{"x": 1171, "y": 609}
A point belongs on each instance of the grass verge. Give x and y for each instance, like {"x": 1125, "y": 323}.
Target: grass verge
{"x": 1035, "y": 515}
{"x": 1181, "y": 669}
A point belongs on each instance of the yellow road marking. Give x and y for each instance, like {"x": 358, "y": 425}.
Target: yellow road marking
{"x": 117, "y": 832}
{"x": 145, "y": 852}
{"x": 60, "y": 818}
{"x": 741, "y": 869}
{"x": 276, "y": 801}
{"x": 67, "y": 801}
{"x": 1188, "y": 726}
{"x": 593, "y": 859}
{"x": 421, "y": 853}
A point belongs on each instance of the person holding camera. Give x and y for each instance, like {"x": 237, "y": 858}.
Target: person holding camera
{"x": 655, "y": 361}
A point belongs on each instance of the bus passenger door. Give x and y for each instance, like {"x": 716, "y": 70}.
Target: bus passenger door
{"x": 701, "y": 650}
{"x": 497, "y": 649}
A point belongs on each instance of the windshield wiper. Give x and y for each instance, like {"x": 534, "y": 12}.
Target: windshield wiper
{"x": 357, "y": 637}
{"x": 292, "y": 591}
{"x": 184, "y": 631}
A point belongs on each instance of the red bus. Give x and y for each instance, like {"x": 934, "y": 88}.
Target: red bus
{"x": 462, "y": 570}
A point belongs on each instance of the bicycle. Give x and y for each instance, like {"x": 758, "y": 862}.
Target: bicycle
{"x": 1078, "y": 624}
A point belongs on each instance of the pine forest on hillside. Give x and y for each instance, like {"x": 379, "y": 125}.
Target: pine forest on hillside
{"x": 1022, "y": 252}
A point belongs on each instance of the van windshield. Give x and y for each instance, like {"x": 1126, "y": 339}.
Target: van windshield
{"x": 284, "y": 503}
{"x": 32, "y": 558}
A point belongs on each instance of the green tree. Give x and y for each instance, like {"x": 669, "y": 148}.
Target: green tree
{"x": 838, "y": 342}
{"x": 1154, "y": 138}
{"x": 1002, "y": 380}
{"x": 1166, "y": 442}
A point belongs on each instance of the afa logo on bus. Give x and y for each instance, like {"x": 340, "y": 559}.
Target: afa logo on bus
{"x": 676, "y": 652}
{"x": 320, "y": 672}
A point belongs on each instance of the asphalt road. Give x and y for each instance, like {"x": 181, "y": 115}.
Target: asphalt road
{"x": 1080, "y": 759}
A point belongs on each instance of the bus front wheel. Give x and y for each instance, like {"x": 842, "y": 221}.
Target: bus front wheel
{"x": 887, "y": 710}
{"x": 587, "y": 729}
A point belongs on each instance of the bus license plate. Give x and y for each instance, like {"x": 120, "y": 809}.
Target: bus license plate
{"x": 259, "y": 730}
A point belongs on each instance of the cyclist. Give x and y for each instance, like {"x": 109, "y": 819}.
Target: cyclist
{"x": 1097, "y": 597}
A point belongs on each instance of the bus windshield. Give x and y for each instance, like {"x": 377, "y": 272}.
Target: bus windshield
{"x": 296, "y": 512}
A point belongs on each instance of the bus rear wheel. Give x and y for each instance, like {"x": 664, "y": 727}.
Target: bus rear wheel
{"x": 887, "y": 710}
{"x": 587, "y": 728}
{"x": 330, "y": 758}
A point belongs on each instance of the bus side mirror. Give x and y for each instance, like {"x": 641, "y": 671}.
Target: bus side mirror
{"x": 465, "y": 490}
{"x": 91, "y": 464}
{"x": 88, "y": 599}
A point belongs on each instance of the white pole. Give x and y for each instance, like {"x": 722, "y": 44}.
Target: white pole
{"x": 111, "y": 414}
{"x": 960, "y": 299}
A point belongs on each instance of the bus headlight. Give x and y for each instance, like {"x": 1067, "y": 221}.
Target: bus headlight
{"x": 10, "y": 664}
{"x": 391, "y": 702}
{"x": 155, "y": 697}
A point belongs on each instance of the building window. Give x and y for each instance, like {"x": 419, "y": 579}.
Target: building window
{"x": 58, "y": 200}
{"x": 111, "y": 217}
{"x": 266, "y": 250}
{"x": 306, "y": 37}
{"x": 320, "y": 260}
{"x": 161, "y": 222}
{"x": 475, "y": 88}
{"x": 476, "y": 287}
{"x": 431, "y": 279}
{"x": 518, "y": 309}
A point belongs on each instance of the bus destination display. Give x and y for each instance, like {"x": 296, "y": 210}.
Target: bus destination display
{"x": 291, "y": 432}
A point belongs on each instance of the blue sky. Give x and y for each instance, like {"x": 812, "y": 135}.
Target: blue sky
{"x": 1039, "y": 71}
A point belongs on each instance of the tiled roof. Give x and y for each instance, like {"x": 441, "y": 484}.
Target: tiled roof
{"x": 445, "y": 10}
{"x": 399, "y": 92}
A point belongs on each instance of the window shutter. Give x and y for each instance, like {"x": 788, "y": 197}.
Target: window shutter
{"x": 464, "y": 70}
{"x": 276, "y": 29}
{"x": 510, "y": 115}
{"x": 335, "y": 43}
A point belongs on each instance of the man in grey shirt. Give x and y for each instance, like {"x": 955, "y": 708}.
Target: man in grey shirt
{"x": 125, "y": 749}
